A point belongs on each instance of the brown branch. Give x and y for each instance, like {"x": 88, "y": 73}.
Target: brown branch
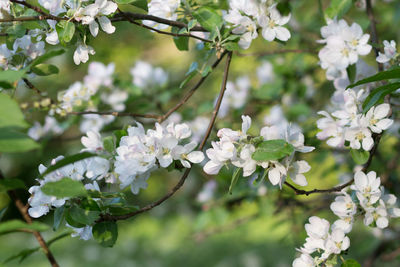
{"x": 24, "y": 212}
{"x": 116, "y": 114}
{"x": 37, "y": 9}
{"x": 32, "y": 18}
{"x": 162, "y": 32}
{"x": 338, "y": 188}
{"x": 191, "y": 91}
{"x": 31, "y": 86}
{"x": 137, "y": 16}
{"x": 108, "y": 217}
{"x": 374, "y": 34}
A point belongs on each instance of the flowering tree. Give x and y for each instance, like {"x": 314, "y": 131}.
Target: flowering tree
{"x": 137, "y": 127}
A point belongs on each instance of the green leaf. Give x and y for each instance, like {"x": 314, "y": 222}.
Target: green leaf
{"x": 11, "y": 184}
{"x": 118, "y": 135}
{"x": 86, "y": 213}
{"x": 68, "y": 160}
{"x": 187, "y": 79}
{"x": 350, "y": 263}
{"x": 191, "y": 24}
{"x": 232, "y": 46}
{"x": 137, "y": 3}
{"x": 105, "y": 233}
{"x": 338, "y": 8}
{"x": 11, "y": 114}
{"x": 383, "y": 75}
{"x": 66, "y": 187}
{"x": 48, "y": 55}
{"x": 12, "y": 141}
{"x": 6, "y": 85}
{"x": 45, "y": 69}
{"x": 378, "y": 94}
{"x": 208, "y": 18}
{"x": 359, "y": 156}
{"x": 181, "y": 42}
{"x": 108, "y": 143}
{"x": 284, "y": 7}
{"x": 17, "y": 225}
{"x": 272, "y": 150}
{"x": 351, "y": 72}
{"x": 65, "y": 30}
{"x": 58, "y": 217}
{"x": 11, "y": 76}
{"x": 234, "y": 179}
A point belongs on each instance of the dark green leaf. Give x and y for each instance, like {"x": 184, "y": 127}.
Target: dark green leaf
{"x": 232, "y": 46}
{"x": 17, "y": 225}
{"x": 66, "y": 187}
{"x": 383, "y": 75}
{"x": 378, "y": 94}
{"x": 284, "y": 7}
{"x": 137, "y": 3}
{"x": 118, "y": 135}
{"x": 45, "y": 69}
{"x": 3, "y": 211}
{"x": 6, "y": 85}
{"x": 12, "y": 141}
{"x": 105, "y": 233}
{"x": 234, "y": 179}
{"x": 350, "y": 263}
{"x": 58, "y": 217}
{"x": 68, "y": 160}
{"x": 84, "y": 216}
{"x": 65, "y": 30}
{"x": 338, "y": 8}
{"x": 351, "y": 72}
{"x": 48, "y": 55}
{"x": 11, "y": 184}
{"x": 181, "y": 42}
{"x": 11, "y": 76}
{"x": 359, "y": 156}
{"x": 208, "y": 18}
{"x": 272, "y": 150}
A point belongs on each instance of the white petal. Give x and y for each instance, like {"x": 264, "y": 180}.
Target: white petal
{"x": 274, "y": 176}
{"x": 384, "y": 124}
{"x": 212, "y": 167}
{"x": 94, "y": 28}
{"x": 282, "y": 33}
{"x": 106, "y": 25}
{"x": 195, "y": 156}
{"x": 268, "y": 34}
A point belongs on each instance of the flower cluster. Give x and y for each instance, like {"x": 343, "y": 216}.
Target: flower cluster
{"x": 247, "y": 16}
{"x": 348, "y": 123}
{"x": 50, "y": 126}
{"x": 140, "y": 152}
{"x": 323, "y": 241}
{"x": 87, "y": 170}
{"x": 146, "y": 76}
{"x": 237, "y": 148}
{"x": 343, "y": 45}
{"x": 165, "y": 9}
{"x": 390, "y": 52}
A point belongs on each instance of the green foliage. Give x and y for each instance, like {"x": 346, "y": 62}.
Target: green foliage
{"x": 235, "y": 177}
{"x": 338, "y": 8}
{"x": 380, "y": 76}
{"x": 272, "y": 150}
{"x": 10, "y": 76}
{"x": 350, "y": 263}
{"x": 12, "y": 141}
{"x": 11, "y": 114}
{"x": 68, "y": 160}
{"x": 105, "y": 233}
{"x": 138, "y": 3}
{"x": 359, "y": 156}
{"x": 17, "y": 225}
{"x": 351, "y": 72}
{"x": 378, "y": 94}
{"x": 181, "y": 42}
{"x": 65, "y": 30}
{"x": 84, "y": 215}
{"x": 66, "y": 187}
{"x": 58, "y": 217}
{"x": 11, "y": 184}
{"x": 208, "y": 18}
{"x": 47, "y": 56}
{"x": 45, "y": 69}
{"x": 108, "y": 143}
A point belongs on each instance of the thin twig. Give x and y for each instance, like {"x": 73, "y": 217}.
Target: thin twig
{"x": 137, "y": 16}
{"x": 162, "y": 32}
{"x": 31, "y": 86}
{"x": 24, "y": 212}
{"x": 191, "y": 91}
{"x": 35, "y": 8}
{"x": 108, "y": 217}
{"x": 374, "y": 34}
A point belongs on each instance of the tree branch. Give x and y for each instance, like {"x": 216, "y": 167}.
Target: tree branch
{"x": 107, "y": 217}
{"x": 37, "y": 9}
{"x": 24, "y": 212}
